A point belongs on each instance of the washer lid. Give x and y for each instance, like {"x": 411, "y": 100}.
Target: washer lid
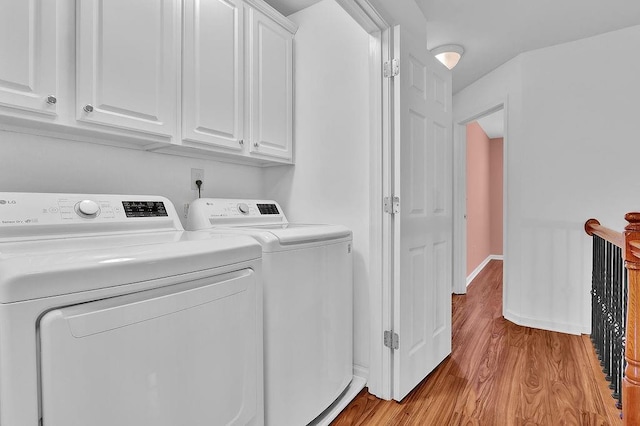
{"x": 290, "y": 237}
{"x": 31, "y": 270}
{"x": 299, "y": 233}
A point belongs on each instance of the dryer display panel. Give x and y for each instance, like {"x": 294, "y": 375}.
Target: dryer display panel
{"x": 144, "y": 208}
{"x": 268, "y": 209}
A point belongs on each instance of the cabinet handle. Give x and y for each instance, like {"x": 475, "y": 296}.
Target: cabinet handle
{"x": 256, "y": 144}
{"x": 51, "y": 99}
{"x": 241, "y": 142}
{"x": 88, "y": 108}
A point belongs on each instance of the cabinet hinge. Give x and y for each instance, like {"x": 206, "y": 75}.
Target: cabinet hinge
{"x": 391, "y": 205}
{"x": 391, "y": 68}
{"x": 391, "y": 340}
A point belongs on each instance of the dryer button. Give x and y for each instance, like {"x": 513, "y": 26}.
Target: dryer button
{"x": 88, "y": 208}
{"x": 243, "y": 208}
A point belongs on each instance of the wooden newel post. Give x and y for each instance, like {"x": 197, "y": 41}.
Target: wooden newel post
{"x": 631, "y": 382}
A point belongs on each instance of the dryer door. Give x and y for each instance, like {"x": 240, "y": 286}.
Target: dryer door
{"x": 187, "y": 354}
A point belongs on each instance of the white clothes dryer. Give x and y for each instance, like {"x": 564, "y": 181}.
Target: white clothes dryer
{"x": 308, "y": 303}
{"x": 111, "y": 314}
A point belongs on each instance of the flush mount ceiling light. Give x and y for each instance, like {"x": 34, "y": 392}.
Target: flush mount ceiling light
{"x": 449, "y": 54}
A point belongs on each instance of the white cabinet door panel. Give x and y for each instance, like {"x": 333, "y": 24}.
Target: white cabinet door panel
{"x": 271, "y": 74}
{"x": 213, "y": 73}
{"x": 126, "y": 64}
{"x": 28, "y": 55}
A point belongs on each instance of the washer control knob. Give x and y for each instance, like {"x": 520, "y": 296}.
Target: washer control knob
{"x": 88, "y": 208}
{"x": 243, "y": 208}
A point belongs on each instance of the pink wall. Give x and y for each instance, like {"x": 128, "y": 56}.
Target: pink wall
{"x": 484, "y": 196}
{"x": 496, "y": 148}
{"x": 478, "y": 197}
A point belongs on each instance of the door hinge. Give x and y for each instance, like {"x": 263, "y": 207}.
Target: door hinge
{"x": 391, "y": 205}
{"x": 391, "y": 340}
{"x": 391, "y": 68}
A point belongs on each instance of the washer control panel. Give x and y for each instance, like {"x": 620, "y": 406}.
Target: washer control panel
{"x": 134, "y": 212}
{"x": 215, "y": 207}
{"x": 205, "y": 212}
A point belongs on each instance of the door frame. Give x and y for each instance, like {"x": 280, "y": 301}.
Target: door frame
{"x": 460, "y": 192}
{"x": 379, "y": 372}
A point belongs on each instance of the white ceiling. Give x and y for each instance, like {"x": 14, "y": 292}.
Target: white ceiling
{"x": 287, "y": 7}
{"x": 494, "y": 31}
{"x": 493, "y": 124}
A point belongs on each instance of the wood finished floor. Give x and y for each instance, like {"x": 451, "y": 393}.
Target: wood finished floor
{"x": 498, "y": 374}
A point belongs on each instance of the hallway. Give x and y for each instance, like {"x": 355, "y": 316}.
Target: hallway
{"x": 498, "y": 374}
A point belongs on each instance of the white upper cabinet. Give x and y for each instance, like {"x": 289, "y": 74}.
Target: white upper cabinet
{"x": 28, "y": 55}
{"x": 270, "y": 56}
{"x": 201, "y": 78}
{"x": 213, "y": 73}
{"x": 127, "y": 64}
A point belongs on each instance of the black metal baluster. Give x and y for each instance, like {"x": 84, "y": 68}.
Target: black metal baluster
{"x": 597, "y": 282}
{"x": 606, "y": 347}
{"x": 615, "y": 308}
{"x": 609, "y": 310}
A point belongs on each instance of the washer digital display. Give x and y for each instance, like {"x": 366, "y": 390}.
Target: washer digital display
{"x": 144, "y": 208}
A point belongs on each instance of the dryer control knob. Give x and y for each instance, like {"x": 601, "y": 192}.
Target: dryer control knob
{"x": 243, "y": 208}
{"x": 88, "y": 208}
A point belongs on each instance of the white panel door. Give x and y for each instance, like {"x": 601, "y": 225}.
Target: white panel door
{"x": 271, "y": 88}
{"x": 423, "y": 228}
{"x": 127, "y": 64}
{"x": 28, "y": 55}
{"x": 213, "y": 73}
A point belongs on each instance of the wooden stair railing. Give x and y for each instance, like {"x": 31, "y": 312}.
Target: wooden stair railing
{"x": 629, "y": 243}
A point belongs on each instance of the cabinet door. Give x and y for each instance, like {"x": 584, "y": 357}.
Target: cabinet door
{"x": 127, "y": 64}
{"x": 28, "y": 55}
{"x": 271, "y": 88}
{"x": 213, "y": 74}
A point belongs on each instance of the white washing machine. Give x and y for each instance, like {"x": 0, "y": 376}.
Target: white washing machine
{"x": 308, "y": 304}
{"x": 111, "y": 314}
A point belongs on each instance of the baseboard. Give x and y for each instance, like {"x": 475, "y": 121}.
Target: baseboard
{"x": 544, "y": 325}
{"x": 360, "y": 371}
{"x": 480, "y": 267}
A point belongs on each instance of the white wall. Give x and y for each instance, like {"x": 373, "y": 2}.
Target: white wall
{"x": 330, "y": 181}
{"x": 572, "y": 151}
{"x": 41, "y": 164}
